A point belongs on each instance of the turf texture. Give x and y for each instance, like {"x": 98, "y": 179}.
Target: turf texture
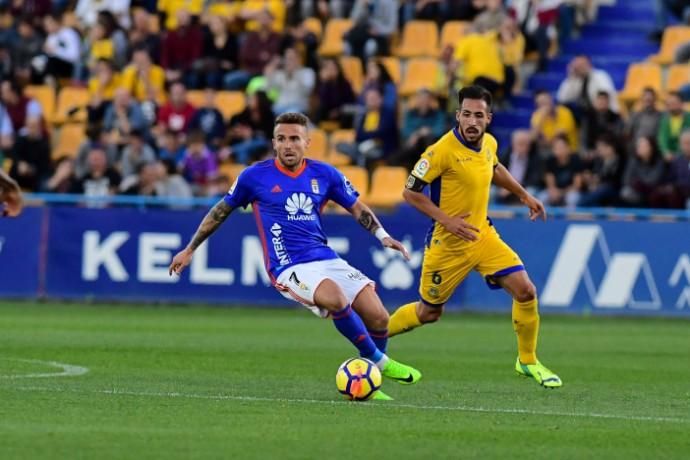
{"x": 259, "y": 384}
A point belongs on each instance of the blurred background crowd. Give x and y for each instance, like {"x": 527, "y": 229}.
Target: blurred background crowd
{"x": 173, "y": 98}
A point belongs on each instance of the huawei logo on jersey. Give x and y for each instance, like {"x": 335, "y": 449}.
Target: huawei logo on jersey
{"x": 299, "y": 202}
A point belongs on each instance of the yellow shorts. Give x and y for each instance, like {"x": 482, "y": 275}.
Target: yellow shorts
{"x": 443, "y": 271}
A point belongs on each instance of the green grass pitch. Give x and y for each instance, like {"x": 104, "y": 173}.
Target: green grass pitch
{"x": 237, "y": 383}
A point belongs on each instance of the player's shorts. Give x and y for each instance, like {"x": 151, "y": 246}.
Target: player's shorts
{"x": 300, "y": 281}
{"x": 443, "y": 271}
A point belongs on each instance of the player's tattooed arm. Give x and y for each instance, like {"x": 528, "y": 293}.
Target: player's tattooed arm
{"x": 211, "y": 222}
{"x": 365, "y": 217}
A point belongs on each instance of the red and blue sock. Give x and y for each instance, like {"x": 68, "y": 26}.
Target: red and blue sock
{"x": 350, "y": 325}
{"x": 380, "y": 338}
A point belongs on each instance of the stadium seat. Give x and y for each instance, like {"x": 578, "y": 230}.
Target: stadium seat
{"x": 45, "y": 95}
{"x": 314, "y": 26}
{"x": 341, "y": 135}
{"x": 232, "y": 170}
{"x": 72, "y": 102}
{"x": 332, "y": 43}
{"x": 678, "y": 75}
{"x": 318, "y": 146}
{"x": 640, "y": 76}
{"x": 352, "y": 68}
{"x": 420, "y": 73}
{"x": 392, "y": 65}
{"x": 387, "y": 184}
{"x": 452, "y": 32}
{"x": 419, "y": 38}
{"x": 70, "y": 137}
{"x": 672, "y": 38}
{"x": 359, "y": 178}
{"x": 228, "y": 103}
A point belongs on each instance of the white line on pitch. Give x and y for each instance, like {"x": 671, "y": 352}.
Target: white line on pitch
{"x": 68, "y": 370}
{"x": 638, "y": 418}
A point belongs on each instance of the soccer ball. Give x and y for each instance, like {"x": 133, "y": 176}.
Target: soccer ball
{"x": 358, "y": 379}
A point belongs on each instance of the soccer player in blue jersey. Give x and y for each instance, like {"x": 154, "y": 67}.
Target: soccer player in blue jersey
{"x": 287, "y": 194}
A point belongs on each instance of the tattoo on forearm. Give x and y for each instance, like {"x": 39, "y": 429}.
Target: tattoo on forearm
{"x": 211, "y": 222}
{"x": 368, "y": 221}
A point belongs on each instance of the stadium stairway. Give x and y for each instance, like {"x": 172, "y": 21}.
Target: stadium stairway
{"x": 618, "y": 38}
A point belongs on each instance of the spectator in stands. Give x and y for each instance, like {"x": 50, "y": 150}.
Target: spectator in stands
{"x": 481, "y": 61}
{"x": 377, "y": 77}
{"x": 100, "y": 179}
{"x": 375, "y": 22}
{"x": 580, "y": 88}
{"x": 31, "y": 155}
{"x": 550, "y": 120}
{"x": 250, "y": 131}
{"x": 176, "y": 114}
{"x": 676, "y": 193}
{"x": 334, "y": 94}
{"x": 511, "y": 45}
{"x": 63, "y": 179}
{"x": 600, "y": 119}
{"x": 144, "y": 79}
{"x": 644, "y": 173}
{"x": 665, "y": 9}
{"x": 62, "y": 51}
{"x": 87, "y": 11}
{"x": 6, "y": 132}
{"x": 123, "y": 116}
{"x": 37, "y": 9}
{"x": 293, "y": 82}
{"x": 376, "y": 135}
{"x": 672, "y": 124}
{"x": 181, "y": 47}
{"x": 102, "y": 87}
{"x": 563, "y": 176}
{"x": 209, "y": 120}
{"x": 171, "y": 183}
{"x": 644, "y": 122}
{"x": 538, "y": 20}
{"x": 601, "y": 184}
{"x": 304, "y": 42}
{"x": 141, "y": 36}
{"x": 257, "y": 49}
{"x": 27, "y": 44}
{"x": 219, "y": 55}
{"x": 167, "y": 10}
{"x": 96, "y": 138}
{"x": 145, "y": 182}
{"x": 113, "y": 32}
{"x": 463, "y": 10}
{"x": 199, "y": 164}
{"x": 425, "y": 10}
{"x": 170, "y": 147}
{"x": 219, "y": 186}
{"x": 492, "y": 17}
{"x": 525, "y": 164}
{"x": 135, "y": 153}
{"x": 423, "y": 124}
{"x": 19, "y": 107}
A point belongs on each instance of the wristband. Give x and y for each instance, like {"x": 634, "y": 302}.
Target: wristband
{"x": 380, "y": 233}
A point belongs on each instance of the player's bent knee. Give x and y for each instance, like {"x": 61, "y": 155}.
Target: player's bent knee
{"x": 526, "y": 292}
{"x": 380, "y": 320}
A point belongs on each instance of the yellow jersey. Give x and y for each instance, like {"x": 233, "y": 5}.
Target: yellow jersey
{"x": 460, "y": 180}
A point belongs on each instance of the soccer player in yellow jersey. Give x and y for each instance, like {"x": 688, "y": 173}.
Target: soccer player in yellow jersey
{"x": 459, "y": 169}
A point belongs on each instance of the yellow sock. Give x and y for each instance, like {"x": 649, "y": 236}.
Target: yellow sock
{"x": 526, "y": 325}
{"x": 404, "y": 319}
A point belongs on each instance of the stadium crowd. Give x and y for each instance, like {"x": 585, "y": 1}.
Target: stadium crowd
{"x": 139, "y": 63}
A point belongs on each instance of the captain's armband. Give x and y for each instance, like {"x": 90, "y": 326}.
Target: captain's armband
{"x": 415, "y": 184}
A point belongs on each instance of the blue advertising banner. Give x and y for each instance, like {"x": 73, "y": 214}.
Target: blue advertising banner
{"x": 598, "y": 266}
{"x": 20, "y": 253}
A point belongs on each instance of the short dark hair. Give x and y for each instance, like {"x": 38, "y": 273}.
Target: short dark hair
{"x": 603, "y": 94}
{"x": 475, "y": 92}
{"x": 292, "y": 118}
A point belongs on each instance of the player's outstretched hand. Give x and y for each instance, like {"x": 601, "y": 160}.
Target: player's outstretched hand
{"x": 389, "y": 242}
{"x": 180, "y": 261}
{"x": 536, "y": 207}
{"x": 458, "y": 226}
{"x": 12, "y": 203}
